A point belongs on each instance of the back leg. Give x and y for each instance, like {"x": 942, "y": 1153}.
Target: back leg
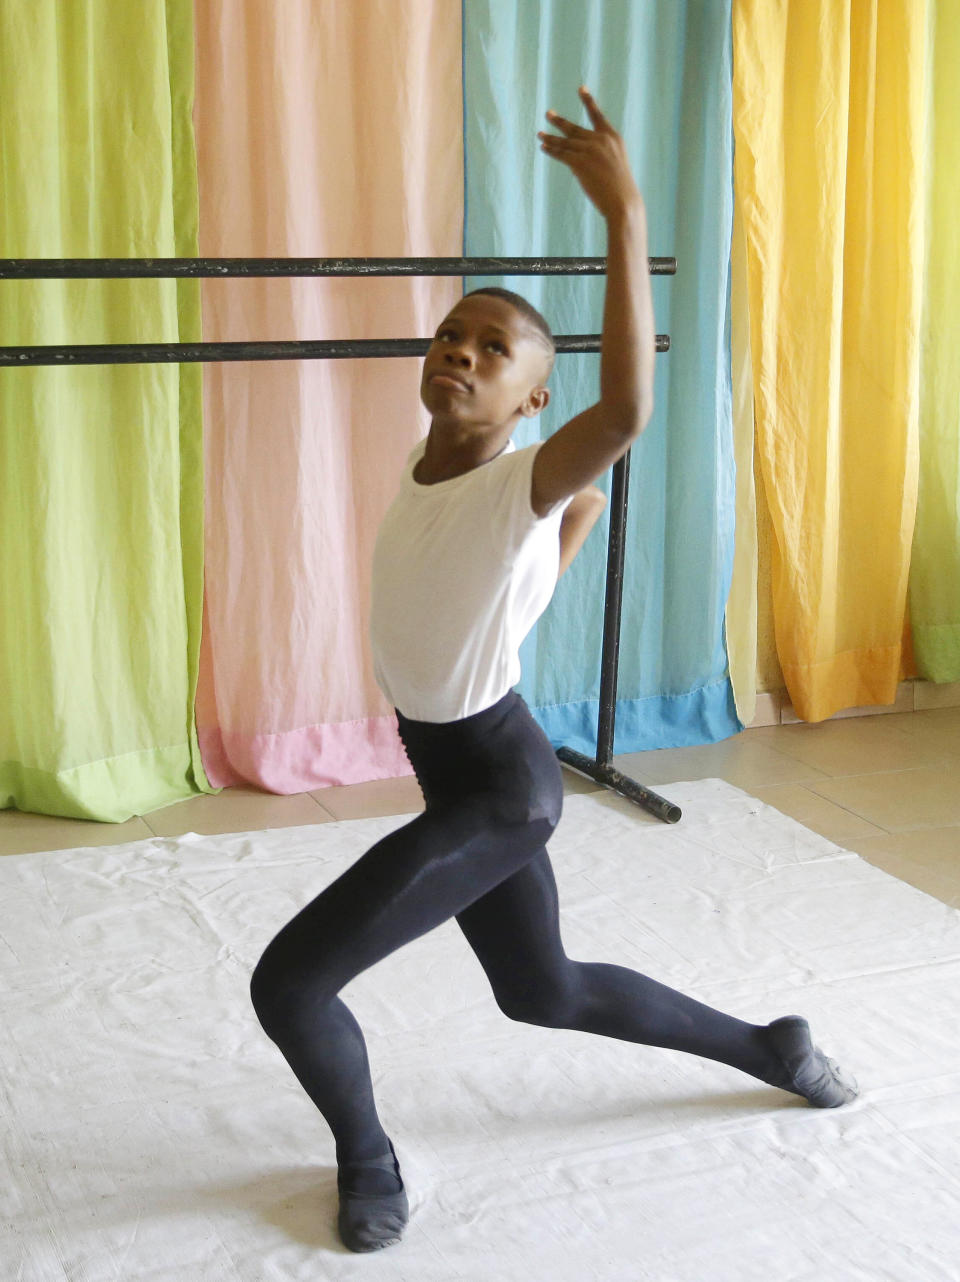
{"x": 514, "y": 930}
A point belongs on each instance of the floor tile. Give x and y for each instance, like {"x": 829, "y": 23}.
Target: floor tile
{"x": 743, "y": 761}
{"x": 902, "y": 800}
{"x": 371, "y": 800}
{"x": 866, "y": 745}
{"x": 928, "y": 859}
{"x": 235, "y": 810}
{"x": 818, "y": 814}
{"x": 938, "y": 728}
{"x": 21, "y": 833}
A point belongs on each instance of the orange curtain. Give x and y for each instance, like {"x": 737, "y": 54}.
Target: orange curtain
{"x": 828, "y": 123}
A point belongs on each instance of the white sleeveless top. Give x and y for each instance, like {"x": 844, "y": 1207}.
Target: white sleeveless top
{"x": 461, "y": 572}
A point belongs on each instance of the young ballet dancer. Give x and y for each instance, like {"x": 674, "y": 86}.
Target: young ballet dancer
{"x": 466, "y": 560}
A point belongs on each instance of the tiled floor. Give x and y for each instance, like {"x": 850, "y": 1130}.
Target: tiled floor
{"x": 887, "y": 787}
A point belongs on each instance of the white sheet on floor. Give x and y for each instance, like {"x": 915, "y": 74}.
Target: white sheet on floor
{"x": 150, "y": 1130}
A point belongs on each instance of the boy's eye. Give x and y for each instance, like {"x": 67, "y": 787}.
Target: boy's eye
{"x": 443, "y": 334}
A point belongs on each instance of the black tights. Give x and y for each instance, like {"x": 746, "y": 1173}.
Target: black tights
{"x": 493, "y": 792}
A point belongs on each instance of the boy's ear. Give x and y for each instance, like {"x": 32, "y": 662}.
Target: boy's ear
{"x": 536, "y": 402}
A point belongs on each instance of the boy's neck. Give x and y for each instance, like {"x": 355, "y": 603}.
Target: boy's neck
{"x": 449, "y": 453}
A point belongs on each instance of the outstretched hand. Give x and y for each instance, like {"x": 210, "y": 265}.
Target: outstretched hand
{"x": 597, "y": 156}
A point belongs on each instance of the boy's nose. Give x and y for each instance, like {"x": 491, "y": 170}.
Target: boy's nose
{"x": 461, "y": 357}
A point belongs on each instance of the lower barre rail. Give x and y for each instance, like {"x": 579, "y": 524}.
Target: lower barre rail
{"x": 668, "y": 811}
{"x": 310, "y": 349}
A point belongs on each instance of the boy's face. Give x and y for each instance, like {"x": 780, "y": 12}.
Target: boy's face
{"x": 484, "y": 366}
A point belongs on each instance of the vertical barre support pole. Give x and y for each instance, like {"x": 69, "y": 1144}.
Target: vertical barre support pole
{"x": 613, "y": 600}
{"x": 601, "y": 768}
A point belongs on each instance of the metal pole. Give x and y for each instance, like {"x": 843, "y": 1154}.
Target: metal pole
{"x": 140, "y": 268}
{"x": 600, "y": 769}
{"x": 188, "y": 353}
{"x": 610, "y": 648}
{"x": 627, "y": 787}
{"x": 137, "y": 353}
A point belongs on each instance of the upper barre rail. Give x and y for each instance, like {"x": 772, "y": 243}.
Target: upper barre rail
{"x": 141, "y": 268}
{"x": 164, "y": 268}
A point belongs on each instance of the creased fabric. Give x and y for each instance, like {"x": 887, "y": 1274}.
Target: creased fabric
{"x": 323, "y": 130}
{"x": 828, "y": 118}
{"x": 935, "y": 569}
{"x": 742, "y": 611}
{"x": 101, "y": 482}
{"x": 183, "y": 1148}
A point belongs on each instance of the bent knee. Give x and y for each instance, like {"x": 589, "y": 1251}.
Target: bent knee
{"x": 548, "y": 1008}
{"x": 531, "y": 798}
{"x": 545, "y": 802}
{"x": 284, "y": 997}
{"x": 266, "y": 996}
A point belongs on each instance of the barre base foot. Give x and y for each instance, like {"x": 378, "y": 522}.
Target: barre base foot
{"x": 668, "y": 811}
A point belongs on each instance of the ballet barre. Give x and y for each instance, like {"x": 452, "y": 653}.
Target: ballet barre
{"x": 600, "y": 767}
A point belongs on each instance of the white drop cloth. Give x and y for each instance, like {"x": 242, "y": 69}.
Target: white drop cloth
{"x": 152, "y": 1132}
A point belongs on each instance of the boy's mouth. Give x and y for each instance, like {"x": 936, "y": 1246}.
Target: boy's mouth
{"x": 450, "y": 380}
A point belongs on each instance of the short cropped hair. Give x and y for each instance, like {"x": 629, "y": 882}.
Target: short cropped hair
{"x": 529, "y": 313}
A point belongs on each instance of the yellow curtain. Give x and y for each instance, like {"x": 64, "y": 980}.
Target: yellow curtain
{"x": 741, "y": 616}
{"x": 828, "y": 124}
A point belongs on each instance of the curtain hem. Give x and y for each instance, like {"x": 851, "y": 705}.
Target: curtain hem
{"x": 701, "y": 716}
{"x": 321, "y": 756}
{"x": 109, "y": 791}
{"x": 856, "y": 679}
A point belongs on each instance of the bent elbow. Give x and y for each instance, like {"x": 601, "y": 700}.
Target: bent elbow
{"x": 642, "y": 414}
{"x": 632, "y": 421}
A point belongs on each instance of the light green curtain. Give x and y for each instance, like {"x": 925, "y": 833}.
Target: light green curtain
{"x": 101, "y": 471}
{"x": 935, "y": 568}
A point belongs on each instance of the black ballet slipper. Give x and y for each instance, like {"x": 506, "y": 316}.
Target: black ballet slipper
{"x": 807, "y": 1071}
{"x": 370, "y": 1221}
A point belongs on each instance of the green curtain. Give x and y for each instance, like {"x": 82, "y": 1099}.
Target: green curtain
{"x": 935, "y": 567}
{"x": 101, "y": 467}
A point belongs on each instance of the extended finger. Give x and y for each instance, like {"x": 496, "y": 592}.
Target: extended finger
{"x": 569, "y": 128}
{"x": 555, "y": 143}
{"x": 593, "y": 111}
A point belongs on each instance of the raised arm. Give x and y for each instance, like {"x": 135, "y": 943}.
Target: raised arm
{"x": 588, "y": 444}
{"x": 581, "y": 515}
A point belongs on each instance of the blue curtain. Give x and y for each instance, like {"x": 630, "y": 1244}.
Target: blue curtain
{"x": 661, "y": 71}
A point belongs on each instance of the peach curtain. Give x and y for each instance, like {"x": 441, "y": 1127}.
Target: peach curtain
{"x": 323, "y": 129}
